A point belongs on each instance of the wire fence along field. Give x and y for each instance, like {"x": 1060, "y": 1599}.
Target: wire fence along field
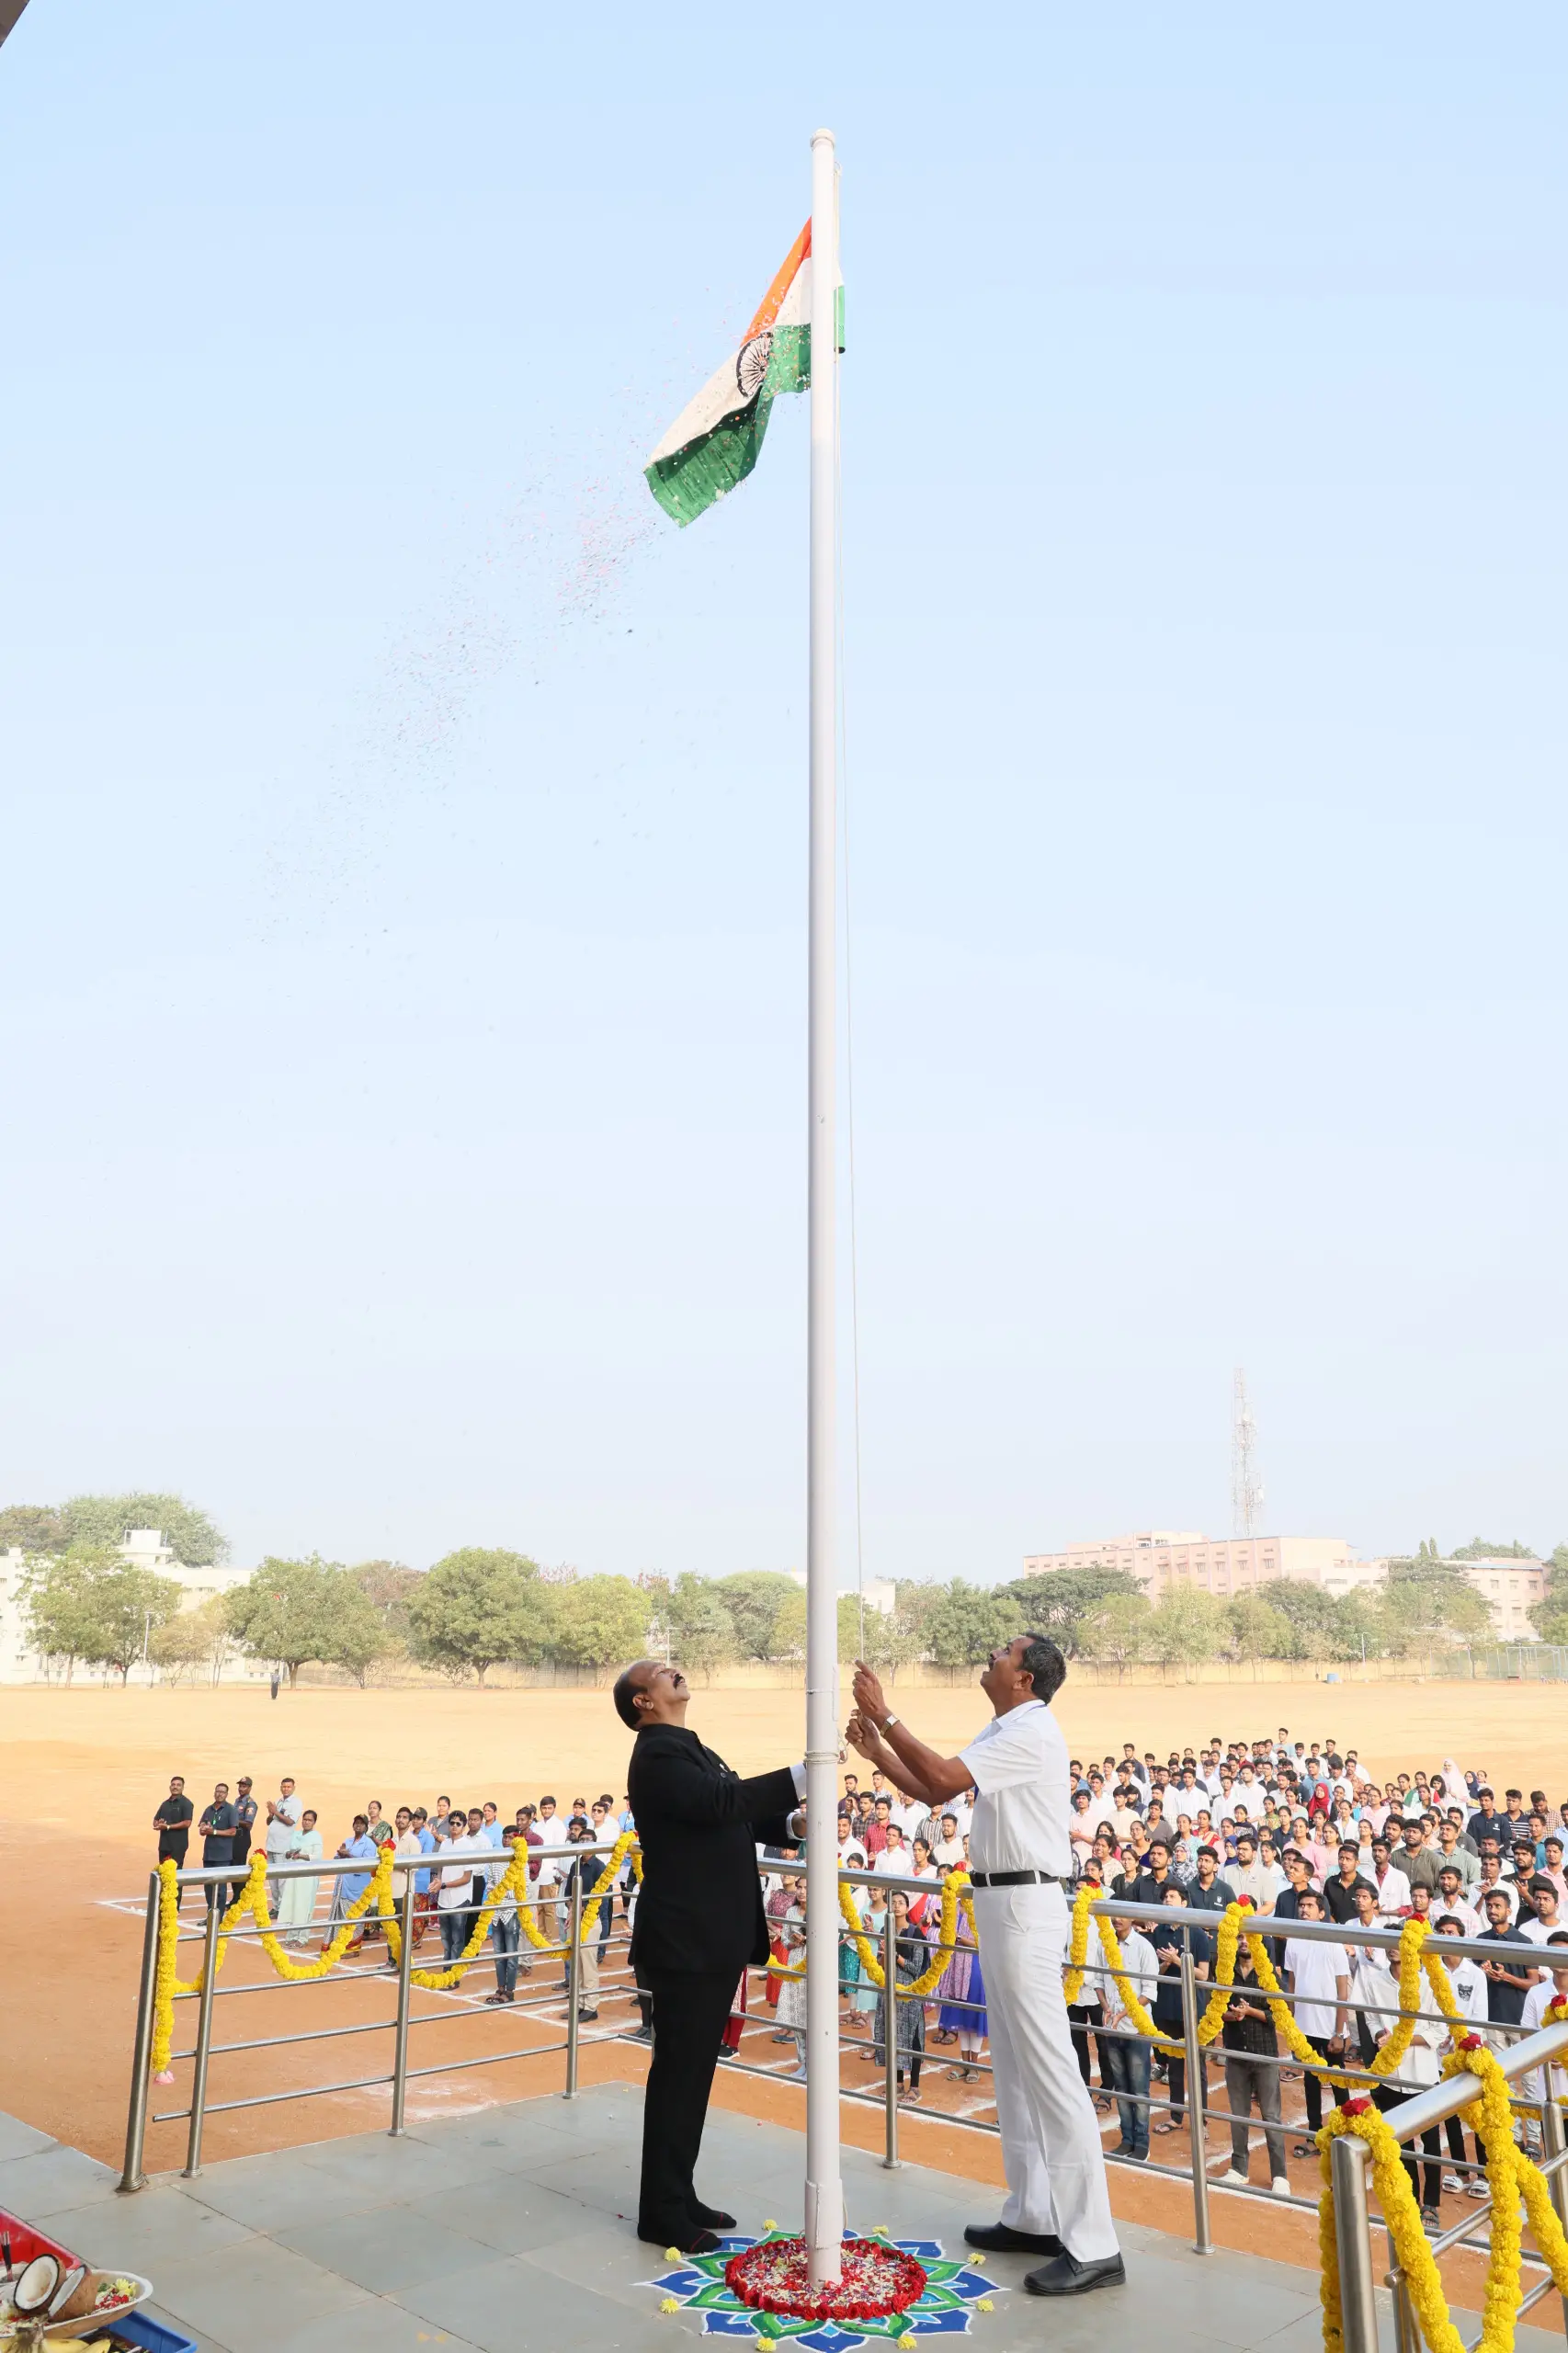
{"x": 1521, "y": 1663}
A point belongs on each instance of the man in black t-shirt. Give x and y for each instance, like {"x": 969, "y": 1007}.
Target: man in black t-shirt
{"x": 171, "y": 1823}
{"x": 1507, "y": 1981}
{"x": 1339, "y": 1893}
{"x": 1152, "y": 1882}
{"x": 1251, "y": 2049}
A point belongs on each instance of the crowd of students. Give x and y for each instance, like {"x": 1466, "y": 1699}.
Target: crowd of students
{"x": 1309, "y": 1835}
{"x": 454, "y": 1853}
{"x": 1301, "y": 1828}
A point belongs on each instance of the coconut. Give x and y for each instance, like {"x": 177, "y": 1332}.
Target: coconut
{"x": 78, "y": 2291}
{"x": 38, "y": 2285}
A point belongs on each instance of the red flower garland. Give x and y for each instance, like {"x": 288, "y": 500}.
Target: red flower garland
{"x": 876, "y": 2281}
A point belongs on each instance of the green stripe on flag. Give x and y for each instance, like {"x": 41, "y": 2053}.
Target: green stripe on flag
{"x": 708, "y": 468}
{"x": 694, "y": 478}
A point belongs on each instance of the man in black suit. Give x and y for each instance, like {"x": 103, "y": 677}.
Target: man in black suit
{"x": 698, "y": 1923}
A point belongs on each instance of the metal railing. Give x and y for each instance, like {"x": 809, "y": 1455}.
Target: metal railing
{"x": 1349, "y": 2167}
{"x": 1191, "y": 1921}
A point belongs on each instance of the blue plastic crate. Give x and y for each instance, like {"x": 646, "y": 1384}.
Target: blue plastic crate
{"x": 156, "y": 2335}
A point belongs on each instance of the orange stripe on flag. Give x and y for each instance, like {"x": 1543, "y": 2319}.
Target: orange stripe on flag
{"x": 772, "y": 302}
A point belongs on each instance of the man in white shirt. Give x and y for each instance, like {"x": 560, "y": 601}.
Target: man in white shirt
{"x": 454, "y": 1904}
{"x": 1467, "y": 1978}
{"x": 1124, "y": 2054}
{"x": 283, "y": 1813}
{"x": 1492, "y": 1879}
{"x": 1319, "y": 1979}
{"x": 1551, "y": 1985}
{"x": 851, "y": 1854}
{"x": 1393, "y": 1888}
{"x": 895, "y": 1861}
{"x": 1249, "y": 1876}
{"x": 1057, "y": 2204}
{"x": 1449, "y": 1898}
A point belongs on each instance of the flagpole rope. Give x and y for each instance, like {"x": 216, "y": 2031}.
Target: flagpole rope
{"x": 843, "y": 726}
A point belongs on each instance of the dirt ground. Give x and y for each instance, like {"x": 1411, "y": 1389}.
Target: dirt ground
{"x": 82, "y": 1770}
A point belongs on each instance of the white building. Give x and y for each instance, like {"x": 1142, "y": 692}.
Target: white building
{"x": 1512, "y": 1588}
{"x": 143, "y": 1548}
{"x": 1160, "y": 1558}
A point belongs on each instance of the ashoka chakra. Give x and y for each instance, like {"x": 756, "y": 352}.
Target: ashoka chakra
{"x": 751, "y": 366}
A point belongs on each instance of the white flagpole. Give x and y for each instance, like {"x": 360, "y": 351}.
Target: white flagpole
{"x": 825, "y": 2188}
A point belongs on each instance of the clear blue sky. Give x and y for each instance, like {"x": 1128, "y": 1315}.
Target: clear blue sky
{"x": 402, "y": 1010}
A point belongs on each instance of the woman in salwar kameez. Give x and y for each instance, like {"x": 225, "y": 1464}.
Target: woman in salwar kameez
{"x": 297, "y": 1897}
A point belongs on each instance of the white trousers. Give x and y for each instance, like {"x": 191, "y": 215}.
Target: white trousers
{"x": 1051, "y": 2141}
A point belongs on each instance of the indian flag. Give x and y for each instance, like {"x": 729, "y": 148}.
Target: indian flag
{"x": 713, "y": 444}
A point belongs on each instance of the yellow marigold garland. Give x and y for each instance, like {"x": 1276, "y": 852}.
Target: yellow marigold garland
{"x": 1510, "y": 2176}
{"x": 1411, "y": 1961}
{"x": 1077, "y": 1944}
{"x": 955, "y": 1891}
{"x": 252, "y": 1899}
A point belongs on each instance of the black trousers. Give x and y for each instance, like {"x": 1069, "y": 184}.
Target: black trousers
{"x": 689, "y": 2017}
{"x": 1426, "y": 2182}
{"x": 1313, "y": 2085}
{"x": 1084, "y": 2014}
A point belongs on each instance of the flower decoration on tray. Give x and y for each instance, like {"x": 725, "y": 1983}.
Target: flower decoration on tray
{"x": 891, "y": 2291}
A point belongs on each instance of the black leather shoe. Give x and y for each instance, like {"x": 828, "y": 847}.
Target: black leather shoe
{"x": 688, "y": 2240}
{"x": 1000, "y": 2238}
{"x": 1068, "y": 2277}
{"x": 712, "y": 2217}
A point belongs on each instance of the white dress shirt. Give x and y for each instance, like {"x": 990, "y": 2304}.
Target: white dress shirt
{"x": 1019, "y": 1763}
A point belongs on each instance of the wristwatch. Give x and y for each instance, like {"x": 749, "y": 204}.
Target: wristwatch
{"x": 887, "y": 1723}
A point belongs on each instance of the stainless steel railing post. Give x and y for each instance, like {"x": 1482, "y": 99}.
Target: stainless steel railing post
{"x": 1553, "y": 2140}
{"x": 573, "y": 1980}
{"x": 133, "y": 2177}
{"x": 890, "y": 2039}
{"x": 404, "y": 1996}
{"x": 1407, "y": 2331}
{"x": 1202, "y": 2235}
{"x": 203, "y": 2034}
{"x": 1352, "y": 2232}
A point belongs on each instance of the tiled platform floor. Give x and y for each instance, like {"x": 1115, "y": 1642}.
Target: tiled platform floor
{"x": 507, "y": 2226}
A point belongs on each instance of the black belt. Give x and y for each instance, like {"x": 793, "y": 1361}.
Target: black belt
{"x": 1014, "y": 1878}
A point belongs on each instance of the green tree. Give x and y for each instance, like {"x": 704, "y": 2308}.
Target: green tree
{"x": 701, "y": 1631}
{"x": 1059, "y": 1604}
{"x": 189, "y": 1534}
{"x": 31, "y": 1528}
{"x": 1114, "y": 1634}
{"x": 281, "y": 1611}
{"x": 1550, "y": 1617}
{"x": 1478, "y": 1549}
{"x": 1316, "y": 1624}
{"x": 896, "y": 1637}
{"x": 600, "y": 1621}
{"x": 1185, "y": 1625}
{"x": 1430, "y": 1600}
{"x": 354, "y": 1633}
{"x": 389, "y": 1588}
{"x": 123, "y": 1608}
{"x": 966, "y": 1623}
{"x": 475, "y": 1607}
{"x": 190, "y": 1640}
{"x": 1255, "y": 1630}
{"x": 754, "y": 1599}
{"x": 57, "y": 1595}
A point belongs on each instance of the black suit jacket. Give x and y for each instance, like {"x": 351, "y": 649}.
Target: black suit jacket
{"x": 700, "y": 1906}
